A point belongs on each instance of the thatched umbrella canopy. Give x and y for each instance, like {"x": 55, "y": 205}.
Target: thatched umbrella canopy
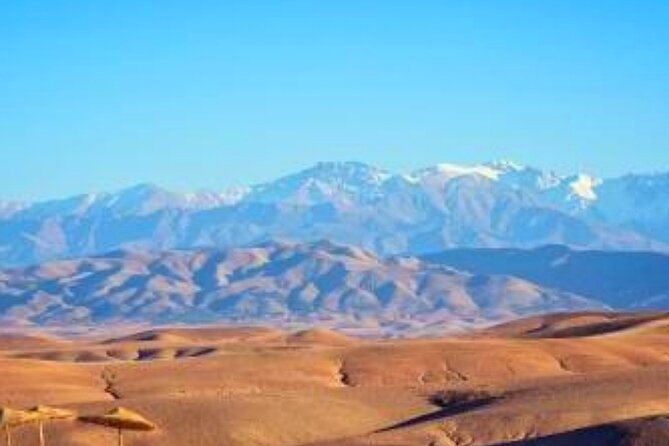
{"x": 121, "y": 419}
{"x": 10, "y": 418}
{"x": 46, "y": 413}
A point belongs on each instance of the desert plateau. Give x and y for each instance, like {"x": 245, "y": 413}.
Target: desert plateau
{"x": 565, "y": 379}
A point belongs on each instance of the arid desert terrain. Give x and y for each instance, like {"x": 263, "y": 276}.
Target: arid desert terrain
{"x": 562, "y": 379}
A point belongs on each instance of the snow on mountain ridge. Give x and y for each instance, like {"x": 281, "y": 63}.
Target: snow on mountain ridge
{"x": 141, "y": 199}
{"x": 328, "y": 177}
{"x": 580, "y": 186}
{"x": 455, "y": 170}
{"x": 583, "y": 186}
{"x": 323, "y": 182}
{"x": 342, "y": 182}
{"x": 498, "y": 204}
{"x": 234, "y": 195}
{"x": 9, "y": 208}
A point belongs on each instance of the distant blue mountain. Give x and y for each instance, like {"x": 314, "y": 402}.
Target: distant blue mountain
{"x": 621, "y": 280}
{"x": 498, "y": 204}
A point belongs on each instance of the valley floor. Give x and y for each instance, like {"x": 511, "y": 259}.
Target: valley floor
{"x": 569, "y": 379}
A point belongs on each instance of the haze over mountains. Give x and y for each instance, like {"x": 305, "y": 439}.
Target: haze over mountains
{"x": 446, "y": 206}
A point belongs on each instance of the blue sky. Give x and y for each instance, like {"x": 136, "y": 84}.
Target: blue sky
{"x": 98, "y": 95}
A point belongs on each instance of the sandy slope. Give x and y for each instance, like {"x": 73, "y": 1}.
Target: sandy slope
{"x": 557, "y": 380}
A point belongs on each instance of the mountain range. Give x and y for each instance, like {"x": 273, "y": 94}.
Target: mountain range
{"x": 499, "y": 204}
{"x": 278, "y": 283}
{"x": 324, "y": 283}
{"x": 621, "y": 280}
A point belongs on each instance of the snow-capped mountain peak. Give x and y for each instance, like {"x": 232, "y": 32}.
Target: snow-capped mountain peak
{"x": 347, "y": 172}
{"x": 456, "y": 170}
{"x": 447, "y": 171}
{"x": 505, "y": 165}
{"x": 9, "y": 208}
{"x": 324, "y": 182}
{"x": 584, "y": 186}
{"x": 234, "y": 195}
{"x": 447, "y": 205}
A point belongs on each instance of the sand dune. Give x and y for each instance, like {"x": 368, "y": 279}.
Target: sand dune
{"x": 580, "y": 324}
{"x": 191, "y": 334}
{"x": 648, "y": 431}
{"x": 19, "y": 341}
{"x": 319, "y": 336}
{"x": 525, "y": 383}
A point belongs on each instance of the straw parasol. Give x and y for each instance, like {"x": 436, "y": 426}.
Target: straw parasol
{"x": 10, "y": 418}
{"x": 121, "y": 419}
{"x": 45, "y": 413}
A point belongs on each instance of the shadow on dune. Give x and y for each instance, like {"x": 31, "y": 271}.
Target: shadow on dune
{"x": 441, "y": 413}
{"x": 651, "y": 431}
{"x": 592, "y": 436}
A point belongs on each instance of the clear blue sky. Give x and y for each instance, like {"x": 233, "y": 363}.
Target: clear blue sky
{"x": 98, "y": 95}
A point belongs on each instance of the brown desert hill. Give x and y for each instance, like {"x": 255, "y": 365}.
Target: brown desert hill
{"x": 648, "y": 431}
{"x": 158, "y": 335}
{"x": 66, "y": 355}
{"x": 320, "y": 336}
{"x": 21, "y": 341}
{"x": 149, "y": 345}
{"x": 578, "y": 324}
{"x": 535, "y": 412}
{"x": 478, "y": 390}
{"x": 273, "y": 283}
{"x": 197, "y": 334}
{"x": 90, "y": 354}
